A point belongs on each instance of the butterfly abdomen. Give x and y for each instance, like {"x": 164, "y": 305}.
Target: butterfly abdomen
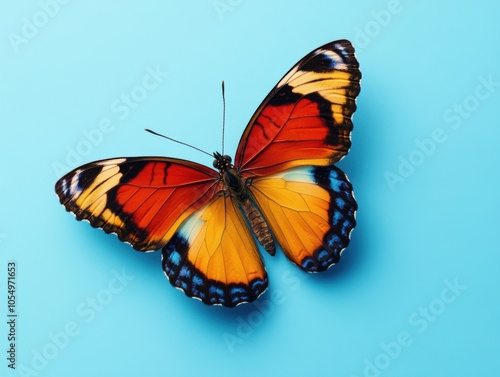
{"x": 259, "y": 226}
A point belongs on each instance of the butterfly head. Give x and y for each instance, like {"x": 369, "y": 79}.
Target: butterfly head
{"x": 222, "y": 162}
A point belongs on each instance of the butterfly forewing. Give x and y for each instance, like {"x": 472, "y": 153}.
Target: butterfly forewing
{"x": 143, "y": 200}
{"x": 306, "y": 118}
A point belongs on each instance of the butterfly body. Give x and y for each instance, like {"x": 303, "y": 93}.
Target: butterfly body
{"x": 282, "y": 189}
{"x": 237, "y": 187}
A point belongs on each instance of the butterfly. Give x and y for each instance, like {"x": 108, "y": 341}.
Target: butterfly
{"x": 282, "y": 189}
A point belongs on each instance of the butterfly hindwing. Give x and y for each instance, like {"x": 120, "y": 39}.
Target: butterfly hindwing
{"x": 143, "y": 200}
{"x": 214, "y": 257}
{"x": 311, "y": 213}
{"x": 306, "y": 118}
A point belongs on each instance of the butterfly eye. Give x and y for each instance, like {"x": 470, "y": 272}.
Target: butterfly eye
{"x": 216, "y": 164}
{"x": 227, "y": 158}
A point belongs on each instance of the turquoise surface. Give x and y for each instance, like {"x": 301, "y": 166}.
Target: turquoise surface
{"x": 415, "y": 294}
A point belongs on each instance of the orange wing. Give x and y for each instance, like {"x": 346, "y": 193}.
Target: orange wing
{"x": 214, "y": 257}
{"x": 306, "y": 118}
{"x": 310, "y": 211}
{"x": 143, "y": 200}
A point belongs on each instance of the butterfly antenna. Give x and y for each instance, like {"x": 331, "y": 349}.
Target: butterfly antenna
{"x": 176, "y": 141}
{"x": 223, "y": 115}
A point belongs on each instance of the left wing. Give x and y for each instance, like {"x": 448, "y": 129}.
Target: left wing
{"x": 311, "y": 213}
{"x": 143, "y": 200}
{"x": 214, "y": 257}
{"x": 306, "y": 118}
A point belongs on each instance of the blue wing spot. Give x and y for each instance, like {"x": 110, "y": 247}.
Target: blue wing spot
{"x": 185, "y": 272}
{"x": 258, "y": 284}
{"x": 175, "y": 258}
{"x": 323, "y": 255}
{"x": 337, "y": 216}
{"x": 308, "y": 264}
{"x": 336, "y": 185}
{"x": 340, "y": 202}
{"x": 216, "y": 291}
{"x": 197, "y": 280}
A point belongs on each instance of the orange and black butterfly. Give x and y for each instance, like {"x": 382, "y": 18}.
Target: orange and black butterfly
{"x": 282, "y": 189}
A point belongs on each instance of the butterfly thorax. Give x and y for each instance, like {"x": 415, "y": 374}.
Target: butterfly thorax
{"x": 235, "y": 186}
{"x": 232, "y": 180}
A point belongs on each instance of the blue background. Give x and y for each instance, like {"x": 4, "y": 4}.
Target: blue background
{"x": 415, "y": 294}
